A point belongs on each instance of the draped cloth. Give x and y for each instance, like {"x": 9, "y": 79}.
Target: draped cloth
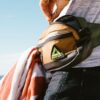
{"x": 25, "y": 80}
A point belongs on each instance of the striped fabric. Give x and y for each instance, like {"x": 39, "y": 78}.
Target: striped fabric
{"x": 25, "y": 80}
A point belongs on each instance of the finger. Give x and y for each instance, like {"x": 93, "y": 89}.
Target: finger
{"x": 56, "y": 13}
{"x": 45, "y": 9}
{"x": 60, "y": 5}
{"x": 51, "y": 6}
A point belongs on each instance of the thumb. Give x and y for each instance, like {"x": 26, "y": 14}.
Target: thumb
{"x": 60, "y": 4}
{"x": 56, "y": 13}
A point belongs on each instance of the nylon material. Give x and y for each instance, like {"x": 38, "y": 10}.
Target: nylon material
{"x": 71, "y": 59}
{"x": 52, "y": 28}
{"x": 66, "y": 44}
{"x": 65, "y": 64}
{"x": 57, "y": 33}
{"x": 46, "y": 51}
{"x": 71, "y": 55}
{"x": 54, "y": 38}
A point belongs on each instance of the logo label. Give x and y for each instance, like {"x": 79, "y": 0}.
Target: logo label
{"x": 56, "y": 53}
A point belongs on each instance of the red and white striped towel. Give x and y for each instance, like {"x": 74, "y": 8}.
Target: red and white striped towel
{"x": 25, "y": 80}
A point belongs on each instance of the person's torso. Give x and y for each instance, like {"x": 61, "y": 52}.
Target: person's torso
{"x": 89, "y": 9}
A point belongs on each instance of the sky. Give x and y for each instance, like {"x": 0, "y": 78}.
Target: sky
{"x": 21, "y": 22}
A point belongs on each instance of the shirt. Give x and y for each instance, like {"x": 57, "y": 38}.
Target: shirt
{"x": 90, "y": 10}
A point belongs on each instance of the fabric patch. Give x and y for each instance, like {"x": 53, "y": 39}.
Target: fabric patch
{"x": 56, "y": 53}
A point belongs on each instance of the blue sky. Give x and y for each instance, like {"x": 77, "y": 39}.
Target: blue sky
{"x": 21, "y": 22}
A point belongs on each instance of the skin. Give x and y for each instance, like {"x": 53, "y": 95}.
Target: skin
{"x": 47, "y": 7}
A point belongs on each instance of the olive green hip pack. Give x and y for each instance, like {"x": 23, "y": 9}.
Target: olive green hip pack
{"x": 67, "y": 41}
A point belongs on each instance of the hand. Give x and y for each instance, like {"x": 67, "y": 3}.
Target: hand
{"x": 48, "y": 6}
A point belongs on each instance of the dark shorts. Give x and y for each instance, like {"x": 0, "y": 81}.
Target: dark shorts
{"x": 75, "y": 84}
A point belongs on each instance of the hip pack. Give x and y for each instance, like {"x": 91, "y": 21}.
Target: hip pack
{"x": 66, "y": 42}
